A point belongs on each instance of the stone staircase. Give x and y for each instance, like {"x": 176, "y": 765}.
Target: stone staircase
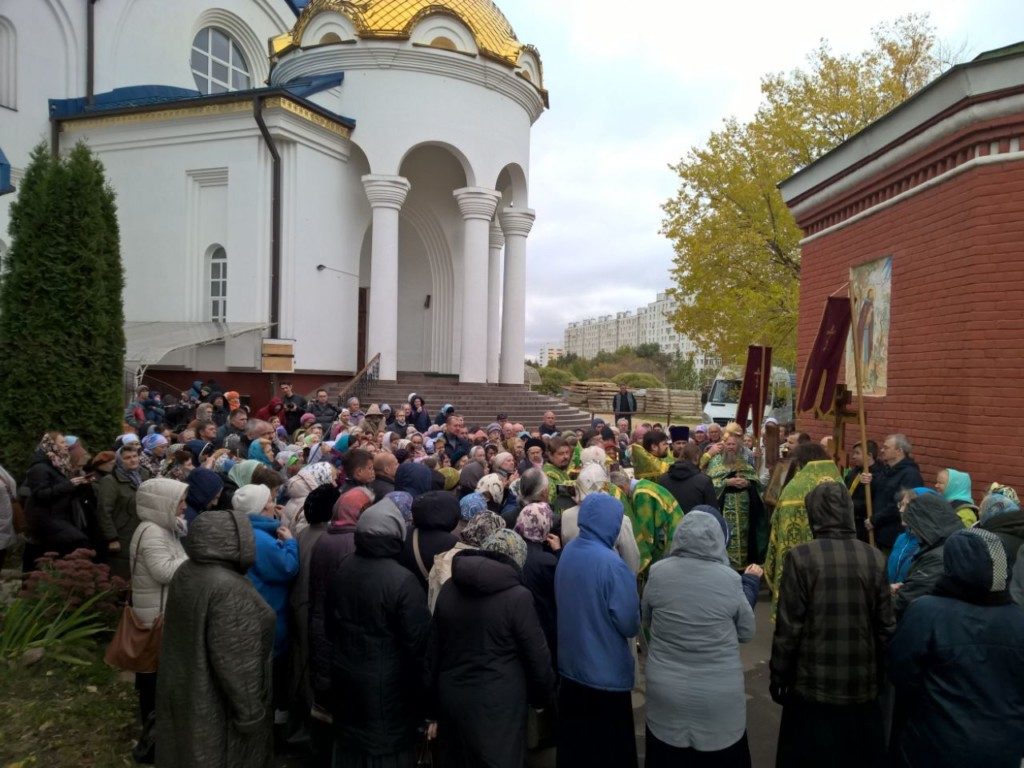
{"x": 479, "y": 404}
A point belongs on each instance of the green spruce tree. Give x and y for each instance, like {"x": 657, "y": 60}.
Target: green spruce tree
{"x": 61, "y": 315}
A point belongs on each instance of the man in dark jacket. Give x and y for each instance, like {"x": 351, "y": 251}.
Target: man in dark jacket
{"x": 898, "y": 472}
{"x": 213, "y": 691}
{"x": 377, "y": 623}
{"x": 324, "y": 412}
{"x": 834, "y": 619}
{"x": 488, "y": 657}
{"x": 384, "y": 467}
{"x": 687, "y": 483}
{"x": 932, "y": 520}
{"x": 624, "y": 406}
{"x": 957, "y": 662}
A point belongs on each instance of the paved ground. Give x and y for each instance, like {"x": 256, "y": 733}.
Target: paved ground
{"x": 762, "y": 713}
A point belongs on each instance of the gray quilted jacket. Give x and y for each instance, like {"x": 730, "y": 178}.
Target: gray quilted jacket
{"x": 213, "y": 691}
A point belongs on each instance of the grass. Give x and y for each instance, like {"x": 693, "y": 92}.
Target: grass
{"x": 54, "y": 714}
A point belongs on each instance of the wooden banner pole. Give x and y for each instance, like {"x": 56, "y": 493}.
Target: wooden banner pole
{"x": 858, "y": 376}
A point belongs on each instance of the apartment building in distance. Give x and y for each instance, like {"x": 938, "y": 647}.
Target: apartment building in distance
{"x": 645, "y": 325}
{"x": 549, "y": 353}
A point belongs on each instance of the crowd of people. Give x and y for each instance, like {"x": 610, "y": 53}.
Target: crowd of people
{"x": 367, "y": 588}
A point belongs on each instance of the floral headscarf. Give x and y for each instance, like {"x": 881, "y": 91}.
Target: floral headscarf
{"x": 492, "y": 485}
{"x": 471, "y": 505}
{"x": 57, "y": 454}
{"x": 480, "y": 527}
{"x": 534, "y": 522}
{"x": 403, "y": 501}
{"x": 319, "y": 473}
{"x": 508, "y": 543}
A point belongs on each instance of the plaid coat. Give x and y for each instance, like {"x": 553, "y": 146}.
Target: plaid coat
{"x": 835, "y": 612}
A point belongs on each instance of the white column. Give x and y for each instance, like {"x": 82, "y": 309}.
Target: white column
{"x": 386, "y": 195}
{"x": 497, "y": 243}
{"x": 516, "y": 224}
{"x": 477, "y": 206}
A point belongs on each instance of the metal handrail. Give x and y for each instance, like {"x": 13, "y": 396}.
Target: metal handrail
{"x": 360, "y": 383}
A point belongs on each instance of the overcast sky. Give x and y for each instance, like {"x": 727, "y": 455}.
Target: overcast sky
{"x": 633, "y": 86}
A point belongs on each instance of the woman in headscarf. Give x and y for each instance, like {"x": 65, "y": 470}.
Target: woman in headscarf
{"x": 955, "y": 487}
{"x": 403, "y": 501}
{"x": 377, "y": 625}
{"x": 487, "y": 658}
{"x": 261, "y": 451}
{"x": 1001, "y": 514}
{"x": 200, "y": 450}
{"x": 697, "y": 614}
{"x": 299, "y": 487}
{"x": 474, "y": 531}
{"x": 115, "y": 507}
{"x": 154, "y": 446}
{"x": 54, "y": 521}
{"x": 542, "y": 548}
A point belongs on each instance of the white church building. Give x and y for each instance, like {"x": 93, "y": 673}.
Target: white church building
{"x": 352, "y": 175}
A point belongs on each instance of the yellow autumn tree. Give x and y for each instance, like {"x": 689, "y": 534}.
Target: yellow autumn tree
{"x": 737, "y": 264}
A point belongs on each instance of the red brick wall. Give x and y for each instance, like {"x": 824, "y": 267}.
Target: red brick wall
{"x": 256, "y": 386}
{"x": 956, "y": 337}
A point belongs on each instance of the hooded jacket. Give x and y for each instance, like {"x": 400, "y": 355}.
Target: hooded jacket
{"x": 274, "y": 569}
{"x": 415, "y": 479}
{"x": 697, "y": 614}
{"x": 203, "y": 487}
{"x": 156, "y": 550}
{"x": 957, "y": 662}
{"x": 689, "y": 485}
{"x": 377, "y": 623}
{"x": 598, "y": 606}
{"x": 931, "y": 519}
{"x": 213, "y": 690}
{"x": 835, "y": 611}
{"x": 434, "y": 517}
{"x": 487, "y": 659}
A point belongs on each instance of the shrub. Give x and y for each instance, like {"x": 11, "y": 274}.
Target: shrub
{"x": 69, "y": 636}
{"x": 638, "y": 380}
{"x": 554, "y": 380}
{"x": 73, "y": 581}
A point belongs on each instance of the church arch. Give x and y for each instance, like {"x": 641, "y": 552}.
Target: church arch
{"x": 513, "y": 186}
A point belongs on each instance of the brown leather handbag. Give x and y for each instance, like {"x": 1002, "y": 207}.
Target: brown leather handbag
{"x": 134, "y": 647}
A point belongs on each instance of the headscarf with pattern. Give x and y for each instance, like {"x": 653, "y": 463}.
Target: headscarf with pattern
{"x": 57, "y": 454}
{"x": 480, "y": 527}
{"x": 534, "y": 522}
{"x": 508, "y": 543}
{"x": 471, "y": 505}
{"x": 403, "y": 501}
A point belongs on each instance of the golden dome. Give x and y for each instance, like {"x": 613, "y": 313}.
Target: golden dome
{"x": 395, "y": 19}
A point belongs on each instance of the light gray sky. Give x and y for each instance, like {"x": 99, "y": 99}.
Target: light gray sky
{"x": 633, "y": 86}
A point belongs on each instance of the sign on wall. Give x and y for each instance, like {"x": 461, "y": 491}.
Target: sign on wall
{"x": 871, "y": 290}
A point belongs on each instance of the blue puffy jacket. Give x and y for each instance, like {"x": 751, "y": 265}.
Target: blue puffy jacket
{"x": 597, "y": 600}
{"x": 902, "y": 557}
{"x": 276, "y": 566}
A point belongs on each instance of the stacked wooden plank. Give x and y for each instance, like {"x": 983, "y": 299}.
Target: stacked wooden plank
{"x": 597, "y": 396}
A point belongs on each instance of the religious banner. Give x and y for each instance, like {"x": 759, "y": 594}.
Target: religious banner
{"x": 756, "y": 382}
{"x": 818, "y": 386}
{"x": 871, "y": 291}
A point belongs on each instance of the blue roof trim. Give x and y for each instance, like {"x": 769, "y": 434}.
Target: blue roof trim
{"x": 297, "y": 5}
{"x": 5, "y": 175}
{"x": 134, "y": 96}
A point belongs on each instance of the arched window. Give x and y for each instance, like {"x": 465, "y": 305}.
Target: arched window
{"x": 8, "y": 64}
{"x": 218, "y": 284}
{"x": 218, "y": 65}
{"x": 330, "y": 37}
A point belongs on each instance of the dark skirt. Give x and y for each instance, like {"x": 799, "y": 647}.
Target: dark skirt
{"x": 662, "y": 755}
{"x": 840, "y": 736}
{"x": 595, "y": 728}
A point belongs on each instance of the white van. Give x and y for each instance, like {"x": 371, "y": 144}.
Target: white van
{"x": 724, "y": 396}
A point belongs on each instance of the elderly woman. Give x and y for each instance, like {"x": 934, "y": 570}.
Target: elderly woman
{"x": 697, "y": 614}
{"x": 478, "y": 527}
{"x": 487, "y": 657}
{"x": 542, "y": 548}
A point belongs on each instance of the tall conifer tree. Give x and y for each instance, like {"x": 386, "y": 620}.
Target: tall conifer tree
{"x": 61, "y": 315}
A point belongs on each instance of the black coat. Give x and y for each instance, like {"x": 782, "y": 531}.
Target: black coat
{"x": 886, "y": 485}
{"x": 689, "y": 486}
{"x": 1010, "y": 530}
{"x": 539, "y": 578}
{"x": 382, "y": 486}
{"x": 55, "y": 522}
{"x": 434, "y": 516}
{"x": 488, "y": 660}
{"x": 377, "y": 623}
{"x": 328, "y": 553}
